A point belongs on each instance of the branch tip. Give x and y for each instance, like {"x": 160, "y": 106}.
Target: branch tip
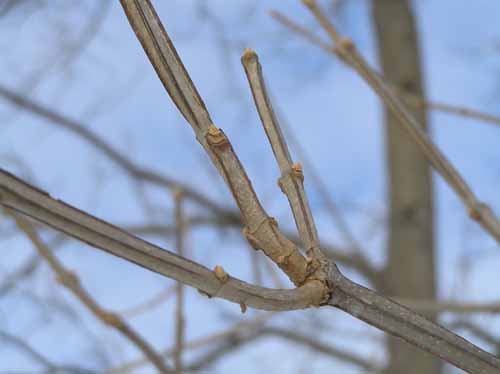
{"x": 243, "y": 308}
{"x": 249, "y": 55}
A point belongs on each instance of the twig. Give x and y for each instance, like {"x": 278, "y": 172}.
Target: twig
{"x": 141, "y": 173}
{"x": 412, "y": 99}
{"x": 346, "y": 49}
{"x": 200, "y": 342}
{"x": 33, "y": 202}
{"x": 39, "y": 358}
{"x": 156, "y": 300}
{"x": 345, "y": 294}
{"x": 179, "y": 313}
{"x": 260, "y": 229}
{"x": 292, "y": 177}
{"x": 70, "y": 280}
{"x": 335, "y": 213}
{"x": 456, "y": 307}
{"x": 223, "y": 215}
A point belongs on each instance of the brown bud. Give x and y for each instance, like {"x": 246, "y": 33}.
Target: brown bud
{"x": 221, "y": 274}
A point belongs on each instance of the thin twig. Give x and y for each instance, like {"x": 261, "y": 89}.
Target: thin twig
{"x": 456, "y": 307}
{"x": 223, "y": 216}
{"x": 179, "y": 313}
{"x": 84, "y": 132}
{"x": 70, "y": 280}
{"x": 412, "y": 98}
{"x": 204, "y": 341}
{"x": 346, "y": 49}
{"x": 156, "y": 300}
{"x": 292, "y": 177}
{"x": 39, "y": 358}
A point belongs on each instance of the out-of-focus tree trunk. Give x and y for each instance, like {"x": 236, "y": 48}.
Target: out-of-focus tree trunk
{"x": 410, "y": 271}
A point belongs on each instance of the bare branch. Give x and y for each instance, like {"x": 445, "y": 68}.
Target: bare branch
{"x": 456, "y": 307}
{"x": 261, "y": 230}
{"x": 346, "y": 49}
{"x": 481, "y": 333}
{"x": 292, "y": 177}
{"x": 156, "y": 300}
{"x": 179, "y": 313}
{"x": 39, "y": 358}
{"x": 399, "y": 321}
{"x": 70, "y": 280}
{"x": 134, "y": 170}
{"x": 412, "y": 98}
{"x": 35, "y": 203}
{"x": 200, "y": 342}
{"x": 224, "y": 215}
{"x": 348, "y": 296}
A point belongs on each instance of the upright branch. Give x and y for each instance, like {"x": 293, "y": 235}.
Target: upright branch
{"x": 180, "y": 320}
{"x": 292, "y": 177}
{"x": 70, "y": 280}
{"x": 347, "y": 51}
{"x": 261, "y": 230}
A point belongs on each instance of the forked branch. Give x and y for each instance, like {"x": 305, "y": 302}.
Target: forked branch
{"x": 23, "y": 198}
{"x": 261, "y": 230}
{"x": 346, "y": 295}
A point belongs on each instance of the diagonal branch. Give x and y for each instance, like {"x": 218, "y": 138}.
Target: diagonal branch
{"x": 346, "y": 49}
{"x": 39, "y": 358}
{"x": 412, "y": 98}
{"x": 23, "y": 198}
{"x": 120, "y": 159}
{"x": 70, "y": 280}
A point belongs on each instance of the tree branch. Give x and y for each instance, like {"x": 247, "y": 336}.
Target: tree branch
{"x": 260, "y": 229}
{"x": 292, "y": 177}
{"x": 346, "y": 49}
{"x": 70, "y": 280}
{"x": 180, "y": 320}
{"x": 35, "y": 203}
{"x": 412, "y": 99}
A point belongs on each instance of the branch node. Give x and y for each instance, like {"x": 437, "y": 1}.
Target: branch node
{"x": 68, "y": 279}
{"x": 252, "y": 240}
{"x": 216, "y": 137}
{"x": 221, "y": 274}
{"x": 297, "y": 171}
{"x": 249, "y": 55}
{"x": 112, "y": 319}
{"x": 476, "y": 211}
{"x": 243, "y": 307}
{"x": 204, "y": 293}
{"x": 346, "y": 44}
